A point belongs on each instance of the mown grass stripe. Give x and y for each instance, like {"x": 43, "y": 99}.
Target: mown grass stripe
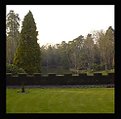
{"x": 61, "y": 100}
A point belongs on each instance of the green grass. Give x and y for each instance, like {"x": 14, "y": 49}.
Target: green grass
{"x": 60, "y": 100}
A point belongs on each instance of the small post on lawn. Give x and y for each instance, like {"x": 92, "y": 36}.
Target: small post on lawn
{"x": 23, "y": 89}
{"x": 22, "y": 77}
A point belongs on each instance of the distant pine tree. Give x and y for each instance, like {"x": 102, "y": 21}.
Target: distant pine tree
{"x": 12, "y": 35}
{"x": 28, "y": 54}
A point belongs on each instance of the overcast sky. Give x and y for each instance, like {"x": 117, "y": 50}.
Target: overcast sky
{"x": 57, "y": 23}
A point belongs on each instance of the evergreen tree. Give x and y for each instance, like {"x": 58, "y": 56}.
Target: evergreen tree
{"x": 12, "y": 35}
{"x": 28, "y": 52}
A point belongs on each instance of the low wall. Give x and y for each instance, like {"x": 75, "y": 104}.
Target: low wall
{"x": 53, "y": 79}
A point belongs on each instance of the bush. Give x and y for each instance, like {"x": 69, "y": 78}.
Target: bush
{"x": 10, "y": 68}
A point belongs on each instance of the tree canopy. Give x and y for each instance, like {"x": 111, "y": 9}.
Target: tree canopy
{"x": 28, "y": 55}
{"x": 12, "y": 35}
{"x": 92, "y": 52}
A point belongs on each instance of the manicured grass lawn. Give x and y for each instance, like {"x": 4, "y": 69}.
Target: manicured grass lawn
{"x": 60, "y": 100}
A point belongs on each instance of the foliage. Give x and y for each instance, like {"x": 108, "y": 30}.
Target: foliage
{"x": 106, "y": 47}
{"x": 10, "y": 68}
{"x": 28, "y": 52}
{"x": 94, "y": 52}
{"x": 12, "y": 34}
{"x": 67, "y": 79}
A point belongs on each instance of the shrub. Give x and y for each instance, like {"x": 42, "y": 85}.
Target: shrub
{"x": 10, "y": 68}
{"x": 21, "y": 70}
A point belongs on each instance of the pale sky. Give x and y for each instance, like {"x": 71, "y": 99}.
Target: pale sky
{"x": 57, "y": 23}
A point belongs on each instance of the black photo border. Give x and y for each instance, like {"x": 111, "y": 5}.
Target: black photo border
{"x": 3, "y": 113}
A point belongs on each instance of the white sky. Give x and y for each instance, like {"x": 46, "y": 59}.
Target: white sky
{"x": 57, "y": 23}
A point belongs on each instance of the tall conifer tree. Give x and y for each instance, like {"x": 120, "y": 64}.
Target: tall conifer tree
{"x": 28, "y": 52}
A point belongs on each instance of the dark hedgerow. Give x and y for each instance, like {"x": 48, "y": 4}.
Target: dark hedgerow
{"x": 67, "y": 79}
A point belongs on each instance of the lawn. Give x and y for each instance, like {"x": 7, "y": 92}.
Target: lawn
{"x": 60, "y": 100}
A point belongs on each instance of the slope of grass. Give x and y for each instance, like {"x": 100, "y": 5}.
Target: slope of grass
{"x": 60, "y": 100}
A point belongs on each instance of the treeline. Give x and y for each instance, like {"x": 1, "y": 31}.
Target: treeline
{"x": 23, "y": 51}
{"x": 93, "y": 52}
